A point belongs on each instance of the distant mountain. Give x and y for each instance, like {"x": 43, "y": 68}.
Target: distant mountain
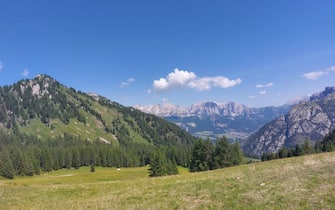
{"x": 45, "y": 108}
{"x": 211, "y": 119}
{"x": 309, "y": 120}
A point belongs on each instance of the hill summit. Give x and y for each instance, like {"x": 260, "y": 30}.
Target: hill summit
{"x": 45, "y": 108}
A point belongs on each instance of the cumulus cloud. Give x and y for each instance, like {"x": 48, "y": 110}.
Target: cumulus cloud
{"x": 270, "y": 84}
{"x": 185, "y": 79}
{"x": 177, "y": 78}
{"x": 316, "y": 74}
{"x": 25, "y": 73}
{"x": 1, "y": 65}
{"x": 127, "y": 82}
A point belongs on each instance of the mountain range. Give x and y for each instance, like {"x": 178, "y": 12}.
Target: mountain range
{"x": 212, "y": 119}
{"x": 45, "y": 108}
{"x": 309, "y": 120}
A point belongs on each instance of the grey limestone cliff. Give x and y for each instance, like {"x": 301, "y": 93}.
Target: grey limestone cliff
{"x": 309, "y": 120}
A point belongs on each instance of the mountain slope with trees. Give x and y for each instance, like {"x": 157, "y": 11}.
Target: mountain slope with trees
{"x": 47, "y": 126}
{"x": 45, "y": 108}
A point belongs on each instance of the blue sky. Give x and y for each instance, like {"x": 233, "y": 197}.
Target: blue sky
{"x": 257, "y": 53}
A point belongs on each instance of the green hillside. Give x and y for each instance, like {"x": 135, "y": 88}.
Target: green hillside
{"x": 305, "y": 182}
{"x": 45, "y": 108}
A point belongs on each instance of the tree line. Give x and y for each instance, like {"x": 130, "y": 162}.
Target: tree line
{"x": 23, "y": 155}
{"x": 327, "y": 144}
{"x": 208, "y": 156}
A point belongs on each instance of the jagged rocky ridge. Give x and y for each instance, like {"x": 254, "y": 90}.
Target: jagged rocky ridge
{"x": 309, "y": 120}
{"x": 211, "y": 119}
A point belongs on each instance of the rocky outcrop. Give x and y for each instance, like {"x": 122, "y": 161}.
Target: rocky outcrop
{"x": 309, "y": 120}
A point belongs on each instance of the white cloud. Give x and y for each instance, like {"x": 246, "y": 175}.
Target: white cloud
{"x": 25, "y": 73}
{"x": 127, "y": 82}
{"x": 1, "y": 65}
{"x": 177, "y": 78}
{"x": 316, "y": 74}
{"x": 263, "y": 92}
{"x": 270, "y": 84}
{"x": 252, "y": 97}
{"x": 186, "y": 79}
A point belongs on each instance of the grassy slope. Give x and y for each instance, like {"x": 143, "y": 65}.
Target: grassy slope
{"x": 93, "y": 129}
{"x": 306, "y": 182}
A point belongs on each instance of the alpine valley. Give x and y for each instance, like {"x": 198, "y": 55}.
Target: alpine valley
{"x": 259, "y": 130}
{"x": 211, "y": 119}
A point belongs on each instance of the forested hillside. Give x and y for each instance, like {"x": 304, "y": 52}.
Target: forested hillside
{"x": 45, "y": 108}
{"x": 46, "y": 126}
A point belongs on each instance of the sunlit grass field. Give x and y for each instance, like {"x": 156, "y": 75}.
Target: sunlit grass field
{"x": 306, "y": 182}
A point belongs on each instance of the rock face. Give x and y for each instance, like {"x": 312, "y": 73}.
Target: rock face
{"x": 211, "y": 119}
{"x": 309, "y": 120}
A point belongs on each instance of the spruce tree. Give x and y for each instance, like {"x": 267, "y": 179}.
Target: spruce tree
{"x": 92, "y": 169}
{"x": 160, "y": 165}
{"x": 222, "y": 155}
{"x": 199, "y": 156}
{"x": 7, "y": 169}
{"x": 237, "y": 154}
{"x": 157, "y": 167}
{"x": 76, "y": 158}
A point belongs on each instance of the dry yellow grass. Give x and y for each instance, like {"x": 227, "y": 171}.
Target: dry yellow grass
{"x": 306, "y": 182}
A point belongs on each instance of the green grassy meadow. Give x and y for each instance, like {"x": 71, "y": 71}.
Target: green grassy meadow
{"x": 306, "y": 182}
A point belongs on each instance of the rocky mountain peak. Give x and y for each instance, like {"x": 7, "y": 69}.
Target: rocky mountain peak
{"x": 309, "y": 120}
{"x": 328, "y": 93}
{"x": 39, "y": 86}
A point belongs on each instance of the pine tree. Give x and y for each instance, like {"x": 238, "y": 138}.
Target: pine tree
{"x": 47, "y": 160}
{"x": 222, "y": 155}
{"x": 19, "y": 162}
{"x": 171, "y": 166}
{"x": 160, "y": 165}
{"x": 7, "y": 169}
{"x": 92, "y": 168}
{"x": 68, "y": 159}
{"x": 29, "y": 167}
{"x": 237, "y": 154}
{"x": 76, "y": 158}
{"x": 307, "y": 147}
{"x": 37, "y": 167}
{"x": 283, "y": 153}
{"x": 201, "y": 156}
{"x": 157, "y": 167}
